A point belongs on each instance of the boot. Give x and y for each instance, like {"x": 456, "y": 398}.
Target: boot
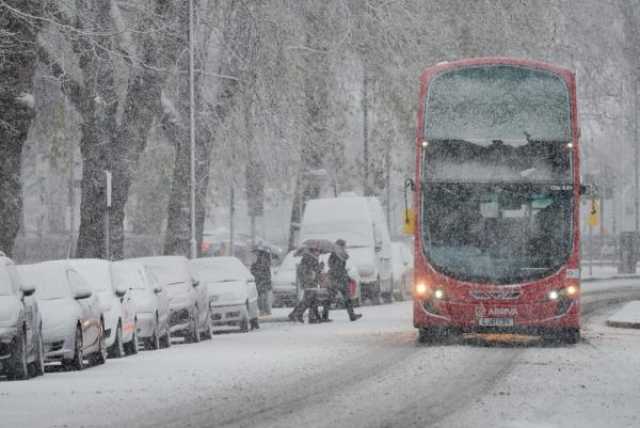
{"x": 355, "y": 317}
{"x": 298, "y": 311}
{"x": 314, "y": 315}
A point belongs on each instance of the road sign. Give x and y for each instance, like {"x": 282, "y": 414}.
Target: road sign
{"x": 109, "y": 177}
{"x": 594, "y": 213}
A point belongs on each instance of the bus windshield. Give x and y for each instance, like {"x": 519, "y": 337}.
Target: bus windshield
{"x": 497, "y": 174}
{"x": 497, "y": 233}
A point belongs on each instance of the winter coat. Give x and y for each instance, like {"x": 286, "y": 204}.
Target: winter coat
{"x": 309, "y": 271}
{"x": 338, "y": 271}
{"x": 261, "y": 271}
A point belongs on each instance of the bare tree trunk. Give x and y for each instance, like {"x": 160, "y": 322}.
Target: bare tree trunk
{"x": 105, "y": 144}
{"x": 314, "y": 144}
{"x": 99, "y": 106}
{"x": 18, "y": 52}
{"x": 237, "y": 40}
{"x": 178, "y": 234}
{"x": 141, "y": 105}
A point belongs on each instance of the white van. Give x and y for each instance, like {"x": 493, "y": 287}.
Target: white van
{"x": 353, "y": 219}
{"x": 383, "y": 248}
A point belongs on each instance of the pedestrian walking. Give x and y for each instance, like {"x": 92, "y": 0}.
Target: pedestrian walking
{"x": 308, "y": 276}
{"x": 261, "y": 271}
{"x": 339, "y": 280}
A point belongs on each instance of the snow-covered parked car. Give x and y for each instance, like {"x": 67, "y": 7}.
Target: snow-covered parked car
{"x": 21, "y": 345}
{"x": 232, "y": 291}
{"x": 119, "y": 313}
{"x": 402, "y": 267}
{"x": 150, "y": 300}
{"x": 188, "y": 299}
{"x": 72, "y": 321}
{"x": 285, "y": 292}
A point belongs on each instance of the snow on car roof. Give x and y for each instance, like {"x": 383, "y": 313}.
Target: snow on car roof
{"x": 49, "y": 278}
{"x": 220, "y": 268}
{"x": 97, "y": 272}
{"x": 346, "y": 218}
{"x": 169, "y": 269}
{"x": 336, "y": 210}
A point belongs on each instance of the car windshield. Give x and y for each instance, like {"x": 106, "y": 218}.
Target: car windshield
{"x": 355, "y": 234}
{"x": 51, "y": 281}
{"x": 169, "y": 270}
{"x": 5, "y": 282}
{"x": 220, "y": 269}
{"x": 498, "y": 233}
{"x": 97, "y": 273}
{"x": 127, "y": 275}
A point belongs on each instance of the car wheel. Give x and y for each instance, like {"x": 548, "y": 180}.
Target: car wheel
{"x": 153, "y": 342}
{"x": 131, "y": 348}
{"x": 208, "y": 332}
{"x": 195, "y": 332}
{"x": 117, "y": 349}
{"x": 100, "y": 357}
{"x": 255, "y": 324}
{"x": 387, "y": 297}
{"x": 244, "y": 325}
{"x": 375, "y": 293}
{"x": 569, "y": 336}
{"x": 18, "y": 367}
{"x": 38, "y": 365}
{"x": 166, "y": 341}
{"x": 78, "y": 356}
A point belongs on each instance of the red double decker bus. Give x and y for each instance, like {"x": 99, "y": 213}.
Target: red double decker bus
{"x": 497, "y": 188}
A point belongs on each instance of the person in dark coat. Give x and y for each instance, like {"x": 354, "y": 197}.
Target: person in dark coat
{"x": 261, "y": 271}
{"x": 308, "y": 276}
{"x": 339, "y": 280}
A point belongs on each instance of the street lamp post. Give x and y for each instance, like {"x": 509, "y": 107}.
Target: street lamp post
{"x": 192, "y": 137}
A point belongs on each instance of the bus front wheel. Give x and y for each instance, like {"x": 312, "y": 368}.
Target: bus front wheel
{"x": 428, "y": 334}
{"x": 570, "y": 336}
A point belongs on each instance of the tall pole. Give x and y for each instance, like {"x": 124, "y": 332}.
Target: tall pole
{"x": 192, "y": 136}
{"x": 365, "y": 131}
{"x": 388, "y": 183}
{"x": 636, "y": 157}
{"x": 232, "y": 210}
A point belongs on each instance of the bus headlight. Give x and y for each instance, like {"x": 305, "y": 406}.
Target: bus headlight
{"x": 421, "y": 289}
{"x": 438, "y": 294}
{"x": 563, "y": 293}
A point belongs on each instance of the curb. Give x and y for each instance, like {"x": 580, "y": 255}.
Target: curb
{"x": 623, "y": 324}
{"x": 269, "y": 319}
{"x": 609, "y": 278}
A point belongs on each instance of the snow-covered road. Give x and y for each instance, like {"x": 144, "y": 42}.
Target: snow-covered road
{"x": 365, "y": 374}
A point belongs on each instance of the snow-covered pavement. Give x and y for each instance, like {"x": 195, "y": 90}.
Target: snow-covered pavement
{"x": 369, "y": 373}
{"x": 626, "y": 317}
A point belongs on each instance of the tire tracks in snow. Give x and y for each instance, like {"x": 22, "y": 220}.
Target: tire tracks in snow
{"x": 387, "y": 383}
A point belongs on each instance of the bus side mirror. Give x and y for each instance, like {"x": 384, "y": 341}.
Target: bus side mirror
{"x": 409, "y": 223}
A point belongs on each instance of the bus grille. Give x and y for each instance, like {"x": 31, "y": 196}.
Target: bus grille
{"x": 502, "y": 294}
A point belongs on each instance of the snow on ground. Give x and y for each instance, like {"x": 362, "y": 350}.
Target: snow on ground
{"x": 628, "y": 316}
{"x": 603, "y": 271}
{"x": 356, "y": 374}
{"x": 212, "y": 373}
{"x": 594, "y": 384}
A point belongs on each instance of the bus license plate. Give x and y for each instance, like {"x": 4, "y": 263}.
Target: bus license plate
{"x": 496, "y": 322}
